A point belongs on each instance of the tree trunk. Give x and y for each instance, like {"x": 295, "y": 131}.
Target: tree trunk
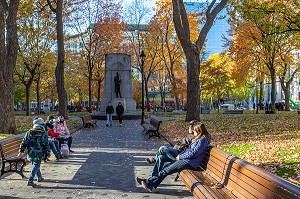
{"x": 193, "y": 85}
{"x": 177, "y": 102}
{"x": 98, "y": 94}
{"x": 146, "y": 92}
{"x": 8, "y": 57}
{"x": 59, "y": 70}
{"x": 90, "y": 90}
{"x": 286, "y": 91}
{"x": 27, "y": 86}
{"x": 261, "y": 91}
{"x": 192, "y": 50}
{"x": 273, "y": 88}
{"x": 38, "y": 97}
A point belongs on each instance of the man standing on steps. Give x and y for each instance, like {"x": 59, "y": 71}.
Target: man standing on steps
{"x": 118, "y": 82}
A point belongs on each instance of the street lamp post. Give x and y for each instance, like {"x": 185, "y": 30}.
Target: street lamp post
{"x": 143, "y": 57}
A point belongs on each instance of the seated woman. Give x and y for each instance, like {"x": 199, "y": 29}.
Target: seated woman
{"x": 64, "y": 133}
{"x": 188, "y": 159}
{"x": 53, "y": 137}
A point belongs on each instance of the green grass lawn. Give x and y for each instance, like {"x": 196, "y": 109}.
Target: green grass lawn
{"x": 271, "y": 141}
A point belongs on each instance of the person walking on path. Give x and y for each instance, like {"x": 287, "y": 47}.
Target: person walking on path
{"x": 120, "y": 111}
{"x": 109, "y": 113}
{"x": 188, "y": 159}
{"x": 37, "y": 146}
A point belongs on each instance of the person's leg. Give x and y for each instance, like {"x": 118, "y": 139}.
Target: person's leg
{"x": 160, "y": 161}
{"x": 56, "y": 143}
{"x": 35, "y": 170}
{"x": 53, "y": 148}
{"x": 107, "y": 120}
{"x": 168, "y": 151}
{"x": 110, "y": 119}
{"x": 173, "y": 167}
{"x": 69, "y": 139}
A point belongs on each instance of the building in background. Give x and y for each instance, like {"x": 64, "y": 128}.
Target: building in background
{"x": 215, "y": 43}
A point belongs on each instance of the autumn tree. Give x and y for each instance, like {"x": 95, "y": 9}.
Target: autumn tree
{"x": 136, "y": 15}
{"x": 98, "y": 27}
{"x": 192, "y": 50}
{"x": 216, "y": 80}
{"x": 8, "y": 57}
{"x": 56, "y": 7}
{"x": 152, "y": 46}
{"x": 266, "y": 33}
{"x": 35, "y": 39}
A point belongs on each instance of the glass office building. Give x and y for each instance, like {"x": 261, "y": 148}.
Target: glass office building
{"x": 215, "y": 43}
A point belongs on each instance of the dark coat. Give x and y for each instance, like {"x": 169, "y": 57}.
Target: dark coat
{"x": 110, "y": 110}
{"x": 120, "y": 109}
{"x": 36, "y": 142}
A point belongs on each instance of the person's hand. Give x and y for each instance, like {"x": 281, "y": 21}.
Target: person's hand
{"x": 177, "y": 157}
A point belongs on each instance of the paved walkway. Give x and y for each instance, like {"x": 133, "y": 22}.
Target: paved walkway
{"x": 105, "y": 164}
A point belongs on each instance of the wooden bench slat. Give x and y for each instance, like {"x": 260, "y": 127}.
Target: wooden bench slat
{"x": 88, "y": 121}
{"x": 239, "y": 178}
{"x": 151, "y": 127}
{"x": 9, "y": 149}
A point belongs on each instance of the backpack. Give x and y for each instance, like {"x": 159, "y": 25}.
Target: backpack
{"x": 64, "y": 149}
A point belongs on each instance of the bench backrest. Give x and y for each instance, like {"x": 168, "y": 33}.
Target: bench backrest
{"x": 233, "y": 111}
{"x": 86, "y": 118}
{"x": 245, "y": 180}
{"x": 10, "y": 147}
{"x": 155, "y": 122}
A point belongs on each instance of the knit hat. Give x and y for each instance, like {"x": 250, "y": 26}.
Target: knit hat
{"x": 37, "y": 122}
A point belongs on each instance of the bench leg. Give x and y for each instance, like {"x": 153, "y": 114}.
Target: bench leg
{"x": 176, "y": 178}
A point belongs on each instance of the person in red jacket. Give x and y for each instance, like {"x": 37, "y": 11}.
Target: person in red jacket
{"x": 53, "y": 138}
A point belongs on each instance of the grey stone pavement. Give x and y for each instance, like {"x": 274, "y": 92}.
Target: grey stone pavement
{"x": 105, "y": 164}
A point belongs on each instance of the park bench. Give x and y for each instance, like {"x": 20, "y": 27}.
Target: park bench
{"x": 9, "y": 149}
{"x": 222, "y": 175}
{"x": 151, "y": 127}
{"x": 88, "y": 121}
{"x": 205, "y": 111}
{"x": 233, "y": 112}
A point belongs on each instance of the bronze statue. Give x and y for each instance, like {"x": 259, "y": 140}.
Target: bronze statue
{"x": 118, "y": 82}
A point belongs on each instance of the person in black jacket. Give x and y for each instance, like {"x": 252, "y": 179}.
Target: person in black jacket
{"x": 168, "y": 154}
{"x": 120, "y": 111}
{"x": 109, "y": 113}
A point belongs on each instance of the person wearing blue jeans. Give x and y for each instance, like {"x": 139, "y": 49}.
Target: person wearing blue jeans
{"x": 37, "y": 145}
{"x": 54, "y": 145}
{"x": 164, "y": 154}
{"x": 168, "y": 154}
{"x": 109, "y": 113}
{"x": 188, "y": 159}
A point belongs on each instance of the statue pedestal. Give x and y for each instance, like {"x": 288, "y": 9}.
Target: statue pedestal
{"x": 118, "y": 64}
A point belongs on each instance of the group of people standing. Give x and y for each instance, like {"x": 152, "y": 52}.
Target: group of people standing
{"x": 110, "y": 111}
{"x": 42, "y": 137}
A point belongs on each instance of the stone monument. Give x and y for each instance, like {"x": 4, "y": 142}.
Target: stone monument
{"x": 117, "y": 83}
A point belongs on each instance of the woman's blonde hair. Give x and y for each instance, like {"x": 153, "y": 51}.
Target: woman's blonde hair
{"x": 201, "y": 131}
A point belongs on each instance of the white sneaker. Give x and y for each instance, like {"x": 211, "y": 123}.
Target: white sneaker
{"x": 120, "y": 124}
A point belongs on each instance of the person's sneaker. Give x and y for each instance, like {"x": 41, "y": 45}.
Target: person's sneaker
{"x": 120, "y": 124}
{"x": 139, "y": 180}
{"x": 71, "y": 151}
{"x": 29, "y": 183}
{"x": 40, "y": 179}
{"x": 107, "y": 125}
{"x": 150, "y": 160}
{"x": 146, "y": 186}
